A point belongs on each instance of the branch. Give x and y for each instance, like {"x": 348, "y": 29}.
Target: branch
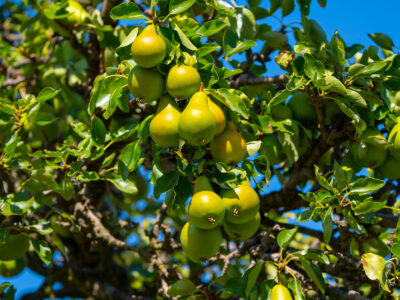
{"x": 246, "y": 79}
{"x": 339, "y": 294}
{"x": 105, "y": 10}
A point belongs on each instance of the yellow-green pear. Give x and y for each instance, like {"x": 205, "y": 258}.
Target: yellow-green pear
{"x": 219, "y": 116}
{"x": 206, "y": 209}
{"x": 164, "y": 126}
{"x": 148, "y": 49}
{"x": 280, "y": 292}
{"x": 182, "y": 82}
{"x": 197, "y": 124}
{"x": 146, "y": 85}
{"x": 229, "y": 147}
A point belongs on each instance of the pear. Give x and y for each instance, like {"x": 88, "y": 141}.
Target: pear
{"x": 394, "y": 139}
{"x": 182, "y": 82}
{"x": 206, "y": 209}
{"x": 301, "y": 108}
{"x": 164, "y": 125}
{"x": 197, "y": 124}
{"x": 219, "y": 116}
{"x": 148, "y": 49}
{"x": 145, "y": 84}
{"x": 229, "y": 147}
{"x": 241, "y": 204}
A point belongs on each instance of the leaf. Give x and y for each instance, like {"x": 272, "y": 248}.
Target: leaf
{"x": 304, "y": 6}
{"x": 382, "y": 40}
{"x": 286, "y": 236}
{"x": 250, "y": 277}
{"x": 232, "y": 45}
{"x": 210, "y": 28}
{"x": 322, "y": 180}
{"x": 43, "y": 250}
{"x": 183, "y": 287}
{"x": 373, "y": 68}
{"x": 279, "y": 97}
{"x": 184, "y": 39}
{"x": 327, "y": 225}
{"x": 166, "y": 182}
{"x": 295, "y": 286}
{"x": 131, "y": 156}
{"x": 207, "y": 49}
{"x": 43, "y": 227}
{"x": 313, "y": 254}
{"x": 178, "y": 6}
{"x": 355, "y": 98}
{"x": 368, "y": 207}
{"x": 366, "y": 185}
{"x": 314, "y": 273}
{"x": 332, "y": 84}
{"x": 126, "y": 186}
{"x": 253, "y": 147}
{"x": 47, "y": 93}
{"x": 4, "y": 286}
{"x": 98, "y": 132}
{"x": 374, "y": 267}
{"x": 16, "y": 204}
{"x": 396, "y": 249}
{"x": 87, "y": 176}
{"x": 231, "y": 100}
{"x": 126, "y": 11}
{"x": 287, "y": 7}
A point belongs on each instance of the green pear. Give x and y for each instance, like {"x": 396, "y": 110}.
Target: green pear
{"x": 148, "y": 49}
{"x": 146, "y": 85}
{"x": 301, "y": 108}
{"x": 197, "y": 124}
{"x": 164, "y": 126}
{"x": 182, "y": 82}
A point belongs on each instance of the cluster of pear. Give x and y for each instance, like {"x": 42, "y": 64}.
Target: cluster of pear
{"x": 12, "y": 254}
{"x": 236, "y": 209}
{"x": 201, "y": 122}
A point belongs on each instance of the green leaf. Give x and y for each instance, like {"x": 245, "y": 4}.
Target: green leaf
{"x": 232, "y": 45}
{"x": 124, "y": 49}
{"x": 304, "y": 6}
{"x": 126, "y": 11}
{"x": 279, "y": 97}
{"x": 130, "y": 158}
{"x": 313, "y": 68}
{"x": 183, "y": 288}
{"x": 355, "y": 98}
{"x": 374, "y": 267}
{"x": 314, "y": 273}
{"x": 47, "y": 93}
{"x": 382, "y": 40}
{"x": 253, "y": 147}
{"x": 322, "y": 180}
{"x": 332, "y": 84}
{"x": 327, "y": 225}
{"x": 286, "y": 236}
{"x": 250, "y": 277}
{"x": 231, "y": 100}
{"x": 366, "y": 185}
{"x": 4, "y": 286}
{"x": 368, "y": 207}
{"x": 166, "y": 182}
{"x": 178, "y": 6}
{"x": 87, "y": 176}
{"x": 126, "y": 186}
{"x": 396, "y": 249}
{"x": 4, "y": 233}
{"x": 43, "y": 227}
{"x": 16, "y": 204}
{"x": 313, "y": 254}
{"x": 207, "y": 49}
{"x": 287, "y": 7}
{"x": 295, "y": 286}
{"x": 373, "y": 68}
{"x": 66, "y": 189}
{"x": 184, "y": 39}
{"x": 43, "y": 250}
{"x": 98, "y": 132}
{"x": 210, "y": 28}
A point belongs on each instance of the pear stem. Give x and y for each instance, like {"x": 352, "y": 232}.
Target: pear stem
{"x": 201, "y": 87}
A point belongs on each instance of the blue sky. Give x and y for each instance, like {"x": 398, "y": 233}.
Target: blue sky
{"x": 353, "y": 19}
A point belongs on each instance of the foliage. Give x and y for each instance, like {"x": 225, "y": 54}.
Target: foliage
{"x": 74, "y": 146}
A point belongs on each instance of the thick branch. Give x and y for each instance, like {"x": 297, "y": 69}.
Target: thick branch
{"x": 246, "y": 79}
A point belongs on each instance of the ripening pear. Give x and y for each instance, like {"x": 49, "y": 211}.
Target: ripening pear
{"x": 390, "y": 168}
{"x": 199, "y": 244}
{"x": 164, "y": 126}
{"x": 229, "y": 147}
{"x": 241, "y": 204}
{"x": 206, "y": 209}
{"x": 219, "y": 116}
{"x": 280, "y": 292}
{"x": 243, "y": 231}
{"x": 301, "y": 108}
{"x": 146, "y": 85}
{"x": 148, "y": 49}
{"x": 182, "y": 82}
{"x": 197, "y": 124}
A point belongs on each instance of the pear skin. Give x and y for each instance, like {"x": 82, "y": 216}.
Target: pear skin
{"x": 229, "y": 147}
{"x": 182, "y": 82}
{"x": 148, "y": 49}
{"x": 202, "y": 184}
{"x": 219, "y": 116}
{"x": 164, "y": 125}
{"x": 147, "y": 85}
{"x": 197, "y": 124}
